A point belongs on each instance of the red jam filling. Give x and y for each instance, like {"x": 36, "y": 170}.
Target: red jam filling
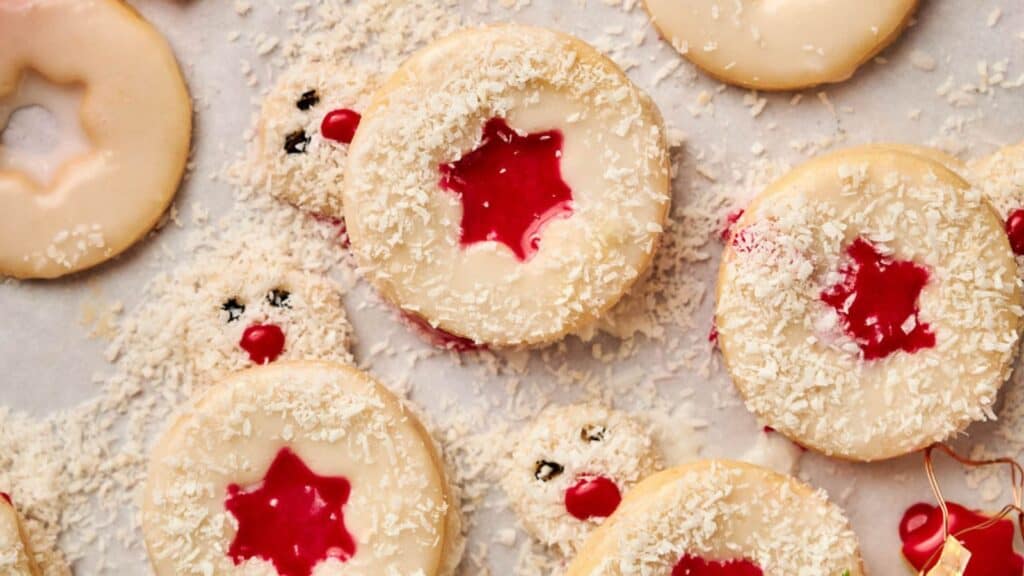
{"x": 730, "y": 219}
{"x": 7, "y": 497}
{"x": 263, "y": 342}
{"x": 340, "y": 125}
{"x": 690, "y": 565}
{"x": 439, "y": 337}
{"x": 1015, "y": 230}
{"x": 877, "y": 302}
{"x": 991, "y": 548}
{"x": 592, "y": 497}
{"x": 293, "y": 518}
{"x": 511, "y": 187}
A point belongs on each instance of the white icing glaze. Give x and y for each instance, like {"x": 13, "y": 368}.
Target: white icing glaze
{"x": 722, "y": 511}
{"x": 780, "y": 44}
{"x": 405, "y": 229}
{"x": 135, "y": 112}
{"x": 785, "y": 349}
{"x": 341, "y": 423}
{"x": 625, "y": 454}
{"x": 15, "y": 554}
{"x": 41, "y": 155}
{"x": 309, "y": 180}
{"x": 774, "y": 452}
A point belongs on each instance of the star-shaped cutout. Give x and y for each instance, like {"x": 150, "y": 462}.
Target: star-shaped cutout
{"x": 511, "y": 187}
{"x": 877, "y": 302}
{"x": 690, "y": 565}
{"x": 992, "y": 553}
{"x": 293, "y": 518}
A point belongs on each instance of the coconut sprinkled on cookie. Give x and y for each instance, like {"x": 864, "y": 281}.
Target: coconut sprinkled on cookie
{"x": 436, "y": 122}
{"x": 845, "y": 377}
{"x": 722, "y": 512}
{"x": 304, "y": 132}
{"x": 568, "y": 472}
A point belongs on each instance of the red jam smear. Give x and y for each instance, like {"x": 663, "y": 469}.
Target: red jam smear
{"x": 991, "y": 548}
{"x": 592, "y": 497}
{"x": 730, "y": 220}
{"x": 340, "y": 125}
{"x": 263, "y": 342}
{"x": 511, "y": 187}
{"x": 439, "y": 337}
{"x": 1015, "y": 230}
{"x": 293, "y": 518}
{"x": 690, "y": 565}
{"x": 7, "y": 497}
{"x": 877, "y": 302}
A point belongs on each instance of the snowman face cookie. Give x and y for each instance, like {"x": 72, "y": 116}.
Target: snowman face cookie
{"x": 306, "y": 123}
{"x": 261, "y": 316}
{"x": 569, "y": 471}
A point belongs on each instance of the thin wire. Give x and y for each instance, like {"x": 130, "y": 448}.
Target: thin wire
{"x": 1017, "y": 488}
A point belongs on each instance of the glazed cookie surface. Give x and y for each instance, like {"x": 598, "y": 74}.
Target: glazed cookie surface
{"x": 306, "y": 124}
{"x": 15, "y": 554}
{"x": 136, "y": 117}
{"x": 510, "y": 193}
{"x": 298, "y": 469}
{"x": 721, "y": 517}
{"x": 780, "y": 45}
{"x": 868, "y": 304}
{"x": 1001, "y": 177}
{"x": 570, "y": 469}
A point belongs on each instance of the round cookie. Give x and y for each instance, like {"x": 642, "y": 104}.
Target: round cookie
{"x": 727, "y": 518}
{"x": 1001, "y": 178}
{"x": 568, "y": 472}
{"x": 306, "y": 124}
{"x": 868, "y": 304}
{"x": 299, "y": 469}
{"x": 246, "y": 315}
{"x": 471, "y": 194}
{"x": 135, "y": 112}
{"x": 15, "y": 554}
{"x": 780, "y": 45}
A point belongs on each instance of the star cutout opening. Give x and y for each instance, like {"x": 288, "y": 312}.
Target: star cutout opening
{"x": 691, "y": 565}
{"x": 510, "y": 186}
{"x": 877, "y": 302}
{"x": 293, "y": 518}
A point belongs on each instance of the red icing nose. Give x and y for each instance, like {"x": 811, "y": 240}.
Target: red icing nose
{"x": 263, "y": 342}
{"x": 1015, "y": 230}
{"x": 592, "y": 497}
{"x": 690, "y": 565}
{"x": 991, "y": 548}
{"x": 340, "y": 125}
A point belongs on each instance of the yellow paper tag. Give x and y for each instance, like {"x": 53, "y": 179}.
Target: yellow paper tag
{"x": 953, "y": 561}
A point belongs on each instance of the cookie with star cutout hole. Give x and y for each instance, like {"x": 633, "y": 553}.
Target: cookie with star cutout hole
{"x": 722, "y": 518}
{"x": 569, "y": 470}
{"x": 15, "y": 553}
{"x": 1001, "y": 177}
{"x": 297, "y": 469}
{"x": 307, "y": 121}
{"x": 868, "y": 304}
{"x": 507, "y": 185}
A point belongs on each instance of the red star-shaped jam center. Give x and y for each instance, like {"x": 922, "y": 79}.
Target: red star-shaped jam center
{"x": 292, "y": 518}
{"x": 511, "y": 187}
{"x": 691, "y": 565}
{"x": 877, "y": 302}
{"x": 991, "y": 548}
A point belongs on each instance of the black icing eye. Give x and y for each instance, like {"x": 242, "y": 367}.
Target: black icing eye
{"x": 593, "y": 433}
{"x": 308, "y": 99}
{"x": 546, "y": 470}
{"x": 296, "y": 142}
{"x": 278, "y": 298}
{"x": 234, "y": 308}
